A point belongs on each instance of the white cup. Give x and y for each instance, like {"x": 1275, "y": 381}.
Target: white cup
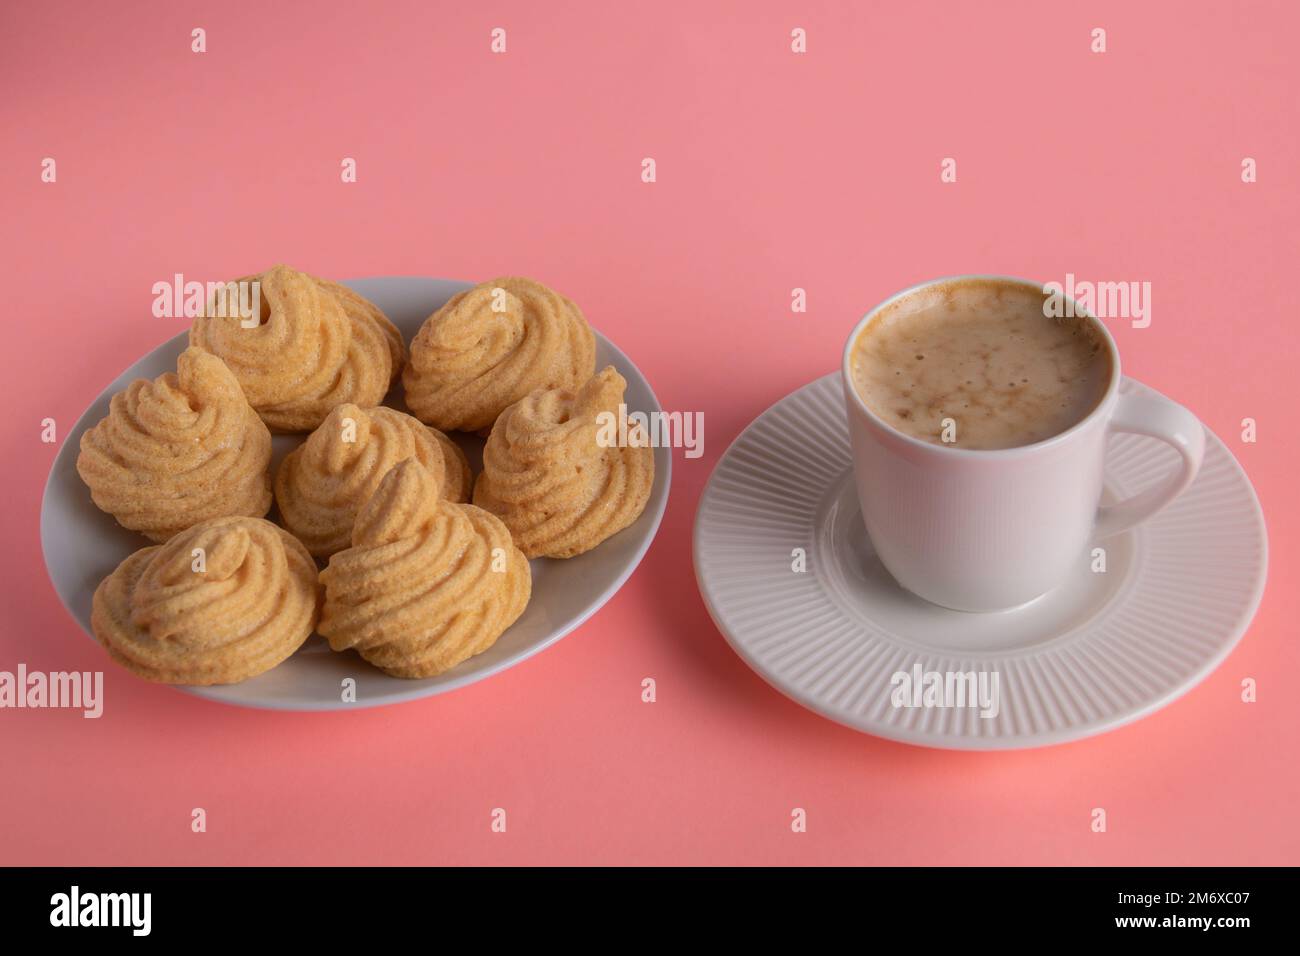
{"x": 988, "y": 530}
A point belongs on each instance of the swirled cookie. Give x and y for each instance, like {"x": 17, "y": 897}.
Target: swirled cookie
{"x": 220, "y": 602}
{"x": 554, "y": 472}
{"x": 317, "y": 345}
{"x": 490, "y": 346}
{"x": 322, "y": 483}
{"x": 426, "y": 584}
{"x": 178, "y": 450}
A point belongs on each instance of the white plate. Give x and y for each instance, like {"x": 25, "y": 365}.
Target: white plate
{"x": 82, "y": 544}
{"x": 1101, "y": 650}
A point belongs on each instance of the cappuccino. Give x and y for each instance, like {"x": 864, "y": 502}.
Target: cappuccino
{"x": 975, "y": 363}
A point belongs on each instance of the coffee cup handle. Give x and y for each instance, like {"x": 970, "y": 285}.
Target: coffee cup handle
{"x": 1155, "y": 417}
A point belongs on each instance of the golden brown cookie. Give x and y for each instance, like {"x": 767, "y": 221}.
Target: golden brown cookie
{"x": 426, "y": 584}
{"x": 178, "y": 450}
{"x": 317, "y": 346}
{"x": 490, "y": 346}
{"x": 220, "y": 602}
{"x": 322, "y": 483}
{"x": 553, "y": 476}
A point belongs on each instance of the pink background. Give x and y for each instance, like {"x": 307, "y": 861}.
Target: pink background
{"x": 774, "y": 171}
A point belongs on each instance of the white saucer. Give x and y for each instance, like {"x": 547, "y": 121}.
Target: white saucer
{"x": 82, "y": 544}
{"x": 1101, "y": 650}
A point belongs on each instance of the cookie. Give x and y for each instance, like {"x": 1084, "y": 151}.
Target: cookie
{"x": 426, "y": 584}
{"x": 557, "y": 477}
{"x": 322, "y": 483}
{"x": 317, "y": 346}
{"x": 178, "y": 450}
{"x": 220, "y": 602}
{"x": 490, "y": 346}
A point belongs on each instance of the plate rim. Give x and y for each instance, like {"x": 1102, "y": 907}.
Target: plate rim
{"x": 975, "y": 743}
{"x": 657, "y": 508}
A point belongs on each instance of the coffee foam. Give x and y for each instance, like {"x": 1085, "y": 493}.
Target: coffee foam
{"x": 981, "y": 353}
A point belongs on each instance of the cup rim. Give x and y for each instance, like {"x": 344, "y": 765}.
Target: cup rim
{"x": 1102, "y": 406}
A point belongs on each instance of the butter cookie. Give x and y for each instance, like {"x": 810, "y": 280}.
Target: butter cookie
{"x": 317, "y": 345}
{"x": 426, "y": 584}
{"x": 322, "y": 484}
{"x": 178, "y": 450}
{"x": 555, "y": 473}
{"x": 491, "y": 345}
{"x": 220, "y": 602}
